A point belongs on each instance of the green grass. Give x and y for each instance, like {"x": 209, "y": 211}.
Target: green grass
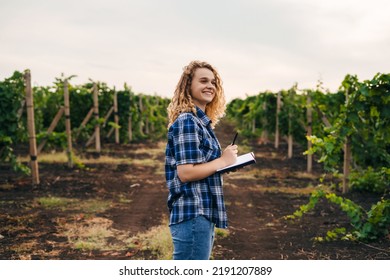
{"x": 158, "y": 240}
{"x": 90, "y": 234}
{"x": 85, "y": 206}
{"x": 54, "y": 202}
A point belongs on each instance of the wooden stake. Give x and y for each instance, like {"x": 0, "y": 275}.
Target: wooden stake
{"x": 346, "y": 165}
{"x": 110, "y": 132}
{"x": 68, "y": 125}
{"x": 347, "y": 157}
{"x": 309, "y": 116}
{"x": 130, "y": 125}
{"x": 323, "y": 118}
{"x": 141, "y": 109}
{"x": 264, "y": 133}
{"x": 290, "y": 136}
{"x": 31, "y": 129}
{"x": 130, "y": 128}
{"x": 87, "y": 117}
{"x": 116, "y": 117}
{"x": 93, "y": 136}
{"x": 51, "y": 127}
{"x": 290, "y": 142}
{"x": 108, "y": 115}
{"x": 20, "y": 111}
{"x": 91, "y": 139}
{"x": 156, "y": 101}
{"x": 278, "y": 105}
{"x": 96, "y": 113}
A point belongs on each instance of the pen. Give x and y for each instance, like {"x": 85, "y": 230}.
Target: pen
{"x": 235, "y": 137}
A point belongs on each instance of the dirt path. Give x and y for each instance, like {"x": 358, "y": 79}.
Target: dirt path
{"x": 124, "y": 193}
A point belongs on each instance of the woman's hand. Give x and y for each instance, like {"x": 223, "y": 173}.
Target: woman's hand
{"x": 229, "y": 155}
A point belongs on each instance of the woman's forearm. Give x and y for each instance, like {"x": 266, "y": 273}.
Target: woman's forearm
{"x": 196, "y": 172}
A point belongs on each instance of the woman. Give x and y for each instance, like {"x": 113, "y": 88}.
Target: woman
{"x": 193, "y": 155}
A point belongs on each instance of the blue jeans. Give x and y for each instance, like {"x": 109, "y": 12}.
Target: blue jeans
{"x": 193, "y": 239}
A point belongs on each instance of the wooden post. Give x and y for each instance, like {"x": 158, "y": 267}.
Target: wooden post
{"x": 290, "y": 142}
{"x": 108, "y": 115}
{"x": 130, "y": 128}
{"x": 152, "y": 109}
{"x": 147, "y": 115}
{"x": 323, "y": 118}
{"x": 68, "y": 125}
{"x": 264, "y": 133}
{"x": 93, "y": 136}
{"x": 96, "y": 114}
{"x": 87, "y": 117}
{"x": 347, "y": 157}
{"x": 141, "y": 110}
{"x": 116, "y": 117}
{"x": 278, "y": 105}
{"x": 51, "y": 127}
{"x": 31, "y": 129}
{"x": 346, "y": 165}
{"x": 20, "y": 111}
{"x": 290, "y": 136}
{"x": 130, "y": 125}
{"x": 309, "y": 116}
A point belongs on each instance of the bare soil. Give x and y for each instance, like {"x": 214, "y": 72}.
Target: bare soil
{"x": 257, "y": 197}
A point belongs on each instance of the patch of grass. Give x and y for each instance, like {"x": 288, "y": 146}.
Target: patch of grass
{"x": 284, "y": 189}
{"x": 158, "y": 240}
{"x": 145, "y": 162}
{"x": 85, "y": 206}
{"x": 59, "y": 157}
{"x": 104, "y": 159}
{"x": 123, "y": 199}
{"x": 94, "y": 205}
{"x": 91, "y": 234}
{"x": 93, "y": 238}
{"x": 221, "y": 233}
{"x": 305, "y": 175}
{"x": 54, "y": 202}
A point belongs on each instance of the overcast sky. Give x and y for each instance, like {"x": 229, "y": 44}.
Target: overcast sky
{"x": 255, "y": 45}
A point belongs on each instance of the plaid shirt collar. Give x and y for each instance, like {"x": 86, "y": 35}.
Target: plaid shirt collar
{"x": 202, "y": 116}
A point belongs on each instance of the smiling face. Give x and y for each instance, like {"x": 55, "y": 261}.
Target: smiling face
{"x": 203, "y": 87}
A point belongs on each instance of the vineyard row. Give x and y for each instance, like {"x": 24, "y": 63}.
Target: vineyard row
{"x": 349, "y": 129}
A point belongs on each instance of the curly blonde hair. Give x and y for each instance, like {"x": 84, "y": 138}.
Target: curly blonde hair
{"x": 182, "y": 99}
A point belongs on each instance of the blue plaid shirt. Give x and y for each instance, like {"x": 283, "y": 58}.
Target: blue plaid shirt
{"x": 191, "y": 140}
